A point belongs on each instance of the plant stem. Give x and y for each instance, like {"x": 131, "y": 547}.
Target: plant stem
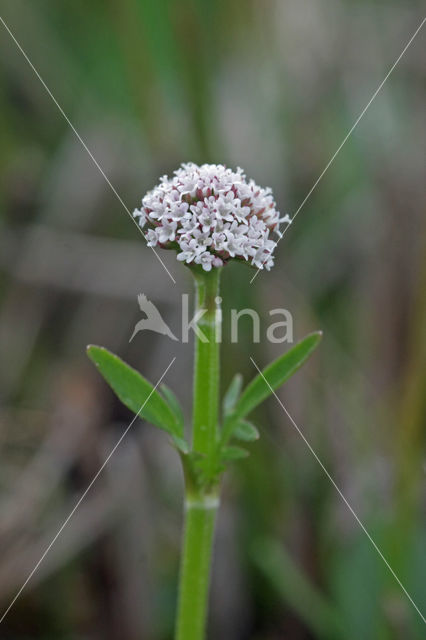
{"x": 195, "y": 567}
{"x": 206, "y": 364}
{"x": 201, "y": 503}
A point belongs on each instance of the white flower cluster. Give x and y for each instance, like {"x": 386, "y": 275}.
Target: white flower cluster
{"x": 211, "y": 214}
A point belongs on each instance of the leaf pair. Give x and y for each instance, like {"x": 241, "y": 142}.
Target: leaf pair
{"x": 164, "y": 411}
{"x": 237, "y": 406}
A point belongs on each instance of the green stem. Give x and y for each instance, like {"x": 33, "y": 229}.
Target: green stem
{"x": 195, "y": 567}
{"x": 201, "y": 503}
{"x": 206, "y": 364}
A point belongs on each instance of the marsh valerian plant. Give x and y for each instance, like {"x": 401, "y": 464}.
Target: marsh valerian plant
{"x": 210, "y": 215}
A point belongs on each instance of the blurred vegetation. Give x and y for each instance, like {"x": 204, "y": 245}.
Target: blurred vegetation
{"x": 274, "y": 87}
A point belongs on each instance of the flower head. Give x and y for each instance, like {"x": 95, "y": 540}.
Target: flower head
{"x": 212, "y": 214}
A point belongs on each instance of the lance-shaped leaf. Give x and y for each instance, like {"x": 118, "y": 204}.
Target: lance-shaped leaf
{"x": 233, "y": 453}
{"x": 134, "y": 390}
{"x": 174, "y": 405}
{"x": 180, "y": 444}
{"x": 246, "y": 431}
{"x": 231, "y": 396}
{"x": 275, "y": 375}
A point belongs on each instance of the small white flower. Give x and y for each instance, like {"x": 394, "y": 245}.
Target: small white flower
{"x": 167, "y": 232}
{"x": 180, "y": 211}
{"x": 205, "y": 259}
{"x": 141, "y": 215}
{"x": 213, "y": 214}
{"x": 152, "y": 238}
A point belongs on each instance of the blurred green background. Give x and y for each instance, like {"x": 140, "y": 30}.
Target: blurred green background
{"x": 272, "y": 86}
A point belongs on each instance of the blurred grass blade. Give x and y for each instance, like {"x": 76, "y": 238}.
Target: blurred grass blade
{"x": 296, "y": 590}
{"x": 276, "y": 374}
{"x": 133, "y": 390}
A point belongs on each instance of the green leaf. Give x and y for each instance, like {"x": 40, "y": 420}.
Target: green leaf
{"x": 245, "y": 431}
{"x": 134, "y": 391}
{"x": 180, "y": 444}
{"x": 275, "y": 374}
{"x": 231, "y": 396}
{"x": 234, "y": 453}
{"x": 174, "y": 404}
